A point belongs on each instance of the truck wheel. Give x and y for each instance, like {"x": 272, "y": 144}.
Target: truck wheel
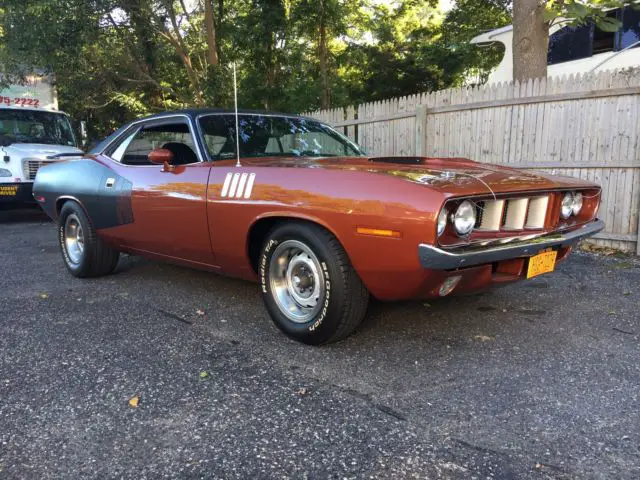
{"x": 310, "y": 289}
{"x": 84, "y": 253}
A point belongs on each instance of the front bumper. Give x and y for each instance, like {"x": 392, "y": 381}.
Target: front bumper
{"x": 16, "y": 192}
{"x": 435, "y": 258}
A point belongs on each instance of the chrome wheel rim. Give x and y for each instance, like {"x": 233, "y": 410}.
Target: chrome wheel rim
{"x": 296, "y": 281}
{"x": 73, "y": 238}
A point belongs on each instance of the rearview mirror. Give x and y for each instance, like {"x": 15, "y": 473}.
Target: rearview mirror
{"x": 161, "y": 156}
{"x": 5, "y": 140}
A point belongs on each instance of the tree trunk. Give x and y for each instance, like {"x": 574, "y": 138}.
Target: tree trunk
{"x": 218, "y": 24}
{"x": 181, "y": 50}
{"x": 530, "y": 40}
{"x": 323, "y": 54}
{"x": 212, "y": 48}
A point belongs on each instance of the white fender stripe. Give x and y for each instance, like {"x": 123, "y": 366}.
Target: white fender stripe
{"x": 225, "y": 187}
{"x": 247, "y": 192}
{"x": 243, "y": 181}
{"x": 234, "y": 184}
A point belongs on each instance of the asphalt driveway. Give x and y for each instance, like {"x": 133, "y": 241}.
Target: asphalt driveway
{"x": 535, "y": 380}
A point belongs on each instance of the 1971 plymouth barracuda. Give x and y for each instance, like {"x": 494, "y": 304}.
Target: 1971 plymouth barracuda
{"x": 305, "y": 213}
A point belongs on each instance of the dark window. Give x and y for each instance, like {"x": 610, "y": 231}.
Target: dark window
{"x": 605, "y": 41}
{"x": 268, "y": 136}
{"x": 570, "y": 43}
{"x": 630, "y": 31}
{"x": 134, "y": 149}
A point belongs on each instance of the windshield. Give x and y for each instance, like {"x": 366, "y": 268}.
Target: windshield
{"x": 268, "y": 136}
{"x": 32, "y": 126}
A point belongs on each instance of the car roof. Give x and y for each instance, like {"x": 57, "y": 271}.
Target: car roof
{"x": 192, "y": 113}
{"x": 195, "y": 112}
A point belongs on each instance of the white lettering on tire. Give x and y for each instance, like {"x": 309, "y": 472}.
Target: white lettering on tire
{"x": 327, "y": 297}
{"x": 263, "y": 264}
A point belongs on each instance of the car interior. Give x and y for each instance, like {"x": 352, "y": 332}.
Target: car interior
{"x": 174, "y": 137}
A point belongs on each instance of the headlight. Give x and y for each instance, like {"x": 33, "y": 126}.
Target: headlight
{"x": 567, "y": 205}
{"x": 577, "y": 203}
{"x": 442, "y": 221}
{"x": 4, "y": 172}
{"x": 465, "y": 218}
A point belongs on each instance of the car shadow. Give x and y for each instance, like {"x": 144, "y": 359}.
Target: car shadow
{"x": 22, "y": 214}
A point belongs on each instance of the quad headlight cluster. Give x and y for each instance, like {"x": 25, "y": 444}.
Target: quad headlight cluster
{"x": 571, "y": 204}
{"x": 463, "y": 218}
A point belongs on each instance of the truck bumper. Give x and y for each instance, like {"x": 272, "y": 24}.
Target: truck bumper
{"x": 435, "y": 258}
{"x": 16, "y": 193}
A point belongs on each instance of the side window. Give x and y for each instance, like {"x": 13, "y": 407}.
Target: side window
{"x": 630, "y": 32}
{"x": 219, "y": 135}
{"x": 570, "y": 43}
{"x": 605, "y": 41}
{"x": 134, "y": 150}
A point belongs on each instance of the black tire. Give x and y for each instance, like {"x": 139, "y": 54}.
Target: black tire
{"x": 343, "y": 300}
{"x": 95, "y": 258}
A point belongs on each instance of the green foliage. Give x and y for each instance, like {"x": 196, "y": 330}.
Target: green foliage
{"x": 465, "y": 21}
{"x": 115, "y": 60}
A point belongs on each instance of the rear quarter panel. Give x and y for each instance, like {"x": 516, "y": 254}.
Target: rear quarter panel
{"x": 83, "y": 180}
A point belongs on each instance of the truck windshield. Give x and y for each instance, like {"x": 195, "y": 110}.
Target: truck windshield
{"x": 268, "y": 136}
{"x": 32, "y": 126}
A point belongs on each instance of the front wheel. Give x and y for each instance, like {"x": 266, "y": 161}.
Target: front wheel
{"x": 310, "y": 289}
{"x": 84, "y": 253}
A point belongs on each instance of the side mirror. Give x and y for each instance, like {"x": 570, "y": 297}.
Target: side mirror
{"x": 83, "y": 133}
{"x": 161, "y": 156}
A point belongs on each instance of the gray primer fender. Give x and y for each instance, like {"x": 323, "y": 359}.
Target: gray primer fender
{"x": 85, "y": 180}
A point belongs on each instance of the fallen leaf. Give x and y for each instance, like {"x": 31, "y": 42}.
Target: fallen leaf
{"x": 199, "y": 312}
{"x": 44, "y": 295}
{"x": 594, "y": 248}
{"x": 204, "y": 374}
{"x": 623, "y": 265}
{"x": 484, "y": 338}
{"x": 302, "y": 391}
{"x": 612, "y": 312}
{"x": 133, "y": 401}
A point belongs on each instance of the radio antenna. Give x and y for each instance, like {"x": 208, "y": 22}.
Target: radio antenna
{"x": 235, "y": 103}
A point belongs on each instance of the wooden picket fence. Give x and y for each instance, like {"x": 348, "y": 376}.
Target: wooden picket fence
{"x": 582, "y": 126}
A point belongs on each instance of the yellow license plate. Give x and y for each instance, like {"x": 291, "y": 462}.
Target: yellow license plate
{"x": 8, "y": 191}
{"x": 544, "y": 262}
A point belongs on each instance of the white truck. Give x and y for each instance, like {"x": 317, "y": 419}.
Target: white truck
{"x": 33, "y": 133}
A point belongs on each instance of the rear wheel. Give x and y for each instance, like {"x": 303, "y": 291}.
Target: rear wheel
{"x": 310, "y": 289}
{"x": 84, "y": 253}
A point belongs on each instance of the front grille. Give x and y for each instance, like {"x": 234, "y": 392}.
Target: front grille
{"x": 30, "y": 167}
{"x": 479, "y": 214}
{"x": 512, "y": 213}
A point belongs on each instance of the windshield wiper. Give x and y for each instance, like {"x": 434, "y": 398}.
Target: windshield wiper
{"x": 62, "y": 155}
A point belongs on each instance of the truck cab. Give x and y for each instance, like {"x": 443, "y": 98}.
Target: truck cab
{"x": 30, "y": 138}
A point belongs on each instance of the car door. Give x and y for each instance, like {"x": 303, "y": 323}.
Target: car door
{"x": 168, "y": 204}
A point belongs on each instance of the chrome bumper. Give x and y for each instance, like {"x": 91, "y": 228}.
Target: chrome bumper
{"x": 436, "y": 258}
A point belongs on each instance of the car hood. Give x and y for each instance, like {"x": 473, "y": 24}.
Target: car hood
{"x": 42, "y": 151}
{"x": 451, "y": 175}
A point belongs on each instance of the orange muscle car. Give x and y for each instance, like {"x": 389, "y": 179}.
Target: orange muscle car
{"x": 302, "y": 210}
